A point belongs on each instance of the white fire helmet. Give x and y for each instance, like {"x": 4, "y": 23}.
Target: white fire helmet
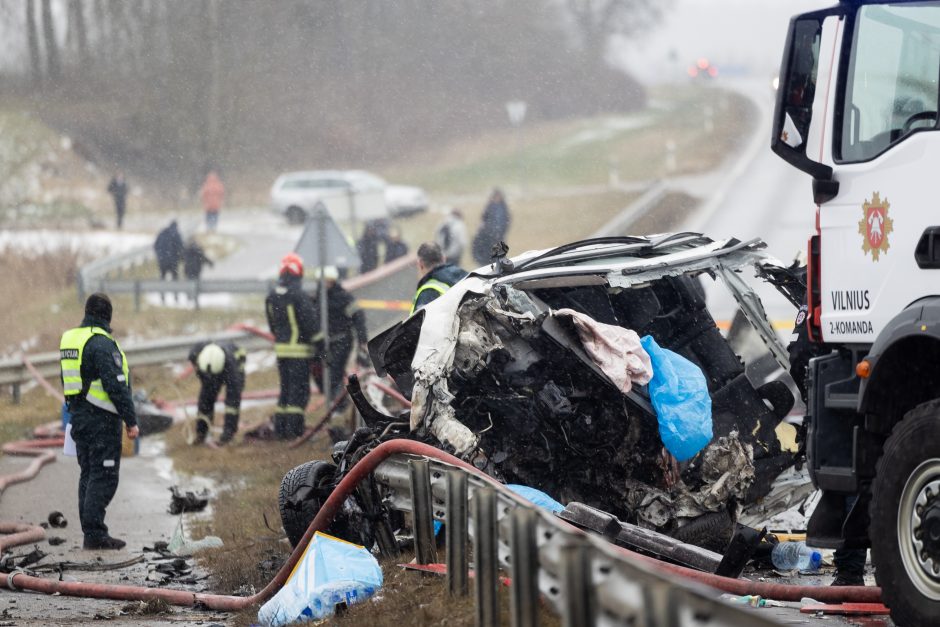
{"x": 211, "y": 359}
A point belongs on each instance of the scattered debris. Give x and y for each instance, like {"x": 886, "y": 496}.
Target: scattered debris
{"x": 149, "y": 607}
{"x": 31, "y": 558}
{"x": 56, "y": 540}
{"x": 57, "y": 520}
{"x": 187, "y": 502}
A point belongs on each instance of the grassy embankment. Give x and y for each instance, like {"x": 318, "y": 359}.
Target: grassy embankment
{"x": 554, "y": 158}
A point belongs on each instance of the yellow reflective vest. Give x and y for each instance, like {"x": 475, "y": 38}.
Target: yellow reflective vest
{"x": 432, "y": 284}
{"x": 71, "y": 348}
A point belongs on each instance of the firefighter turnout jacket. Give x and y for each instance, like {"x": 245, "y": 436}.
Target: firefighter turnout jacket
{"x": 291, "y": 318}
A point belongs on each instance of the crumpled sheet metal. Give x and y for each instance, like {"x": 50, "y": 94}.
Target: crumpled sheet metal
{"x": 615, "y": 350}
{"x": 727, "y": 472}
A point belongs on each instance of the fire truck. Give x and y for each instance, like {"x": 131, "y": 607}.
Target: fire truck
{"x": 857, "y": 110}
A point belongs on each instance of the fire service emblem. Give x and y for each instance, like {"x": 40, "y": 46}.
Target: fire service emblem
{"x": 875, "y": 226}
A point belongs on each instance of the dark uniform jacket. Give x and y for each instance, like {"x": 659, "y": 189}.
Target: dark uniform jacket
{"x": 344, "y": 316}
{"x": 234, "y": 361}
{"x": 101, "y": 359}
{"x": 447, "y": 274}
{"x": 291, "y": 318}
{"x": 194, "y": 257}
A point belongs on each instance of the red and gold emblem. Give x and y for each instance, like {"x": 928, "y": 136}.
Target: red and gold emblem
{"x": 875, "y": 226}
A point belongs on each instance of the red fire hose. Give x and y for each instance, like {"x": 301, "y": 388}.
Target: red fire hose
{"x": 332, "y": 505}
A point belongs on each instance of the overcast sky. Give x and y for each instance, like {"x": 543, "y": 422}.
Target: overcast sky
{"x": 733, "y": 34}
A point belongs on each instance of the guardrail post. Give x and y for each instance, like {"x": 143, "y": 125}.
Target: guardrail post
{"x": 421, "y": 502}
{"x": 524, "y": 592}
{"x": 137, "y": 296}
{"x": 456, "y": 529}
{"x": 579, "y": 602}
{"x": 485, "y": 557}
{"x": 196, "y": 294}
{"x": 16, "y": 394}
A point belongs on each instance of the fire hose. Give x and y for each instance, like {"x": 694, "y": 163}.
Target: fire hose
{"x": 784, "y": 592}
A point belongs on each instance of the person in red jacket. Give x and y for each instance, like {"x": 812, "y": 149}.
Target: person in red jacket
{"x": 212, "y": 195}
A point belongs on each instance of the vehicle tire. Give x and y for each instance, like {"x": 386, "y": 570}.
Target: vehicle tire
{"x": 710, "y": 531}
{"x": 905, "y": 518}
{"x": 295, "y": 520}
{"x": 296, "y": 215}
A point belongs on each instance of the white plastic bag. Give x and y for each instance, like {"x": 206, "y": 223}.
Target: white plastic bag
{"x": 68, "y": 448}
{"x": 331, "y": 572}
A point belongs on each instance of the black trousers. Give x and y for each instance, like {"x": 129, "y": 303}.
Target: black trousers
{"x": 211, "y": 386}
{"x": 100, "y": 461}
{"x": 293, "y": 398}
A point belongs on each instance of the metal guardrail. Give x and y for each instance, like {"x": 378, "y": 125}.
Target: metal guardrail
{"x": 587, "y": 580}
{"x": 637, "y": 209}
{"x": 14, "y": 372}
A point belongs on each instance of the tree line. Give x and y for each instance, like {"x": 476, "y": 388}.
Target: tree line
{"x": 169, "y": 88}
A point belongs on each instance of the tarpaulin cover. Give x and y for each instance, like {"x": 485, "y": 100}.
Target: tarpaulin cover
{"x": 679, "y": 394}
{"x": 331, "y": 572}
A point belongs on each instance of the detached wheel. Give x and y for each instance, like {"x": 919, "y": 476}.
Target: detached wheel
{"x": 302, "y": 495}
{"x": 712, "y": 531}
{"x": 905, "y": 518}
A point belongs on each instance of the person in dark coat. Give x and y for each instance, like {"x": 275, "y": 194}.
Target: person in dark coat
{"x": 368, "y": 248}
{"x": 169, "y": 249}
{"x": 118, "y": 190}
{"x": 97, "y": 387}
{"x": 435, "y": 276}
{"x": 194, "y": 258}
{"x": 344, "y": 316}
{"x": 394, "y": 246}
{"x": 292, "y": 320}
{"x": 493, "y": 228}
{"x": 217, "y": 364}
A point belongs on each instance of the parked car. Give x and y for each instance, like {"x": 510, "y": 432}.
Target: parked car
{"x": 405, "y": 200}
{"x": 349, "y": 195}
{"x": 499, "y": 375}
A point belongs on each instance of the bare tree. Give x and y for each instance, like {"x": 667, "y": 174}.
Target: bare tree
{"x": 53, "y": 65}
{"x": 78, "y": 32}
{"x": 32, "y": 41}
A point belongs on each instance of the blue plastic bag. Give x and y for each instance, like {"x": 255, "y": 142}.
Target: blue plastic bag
{"x": 679, "y": 394}
{"x": 330, "y": 572}
{"x": 537, "y": 497}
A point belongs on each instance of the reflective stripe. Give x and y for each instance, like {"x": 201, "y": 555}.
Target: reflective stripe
{"x": 70, "y": 373}
{"x": 433, "y": 284}
{"x": 101, "y": 403}
{"x": 231, "y": 410}
{"x": 72, "y": 386}
{"x": 289, "y": 409}
{"x": 292, "y": 321}
{"x": 293, "y": 351}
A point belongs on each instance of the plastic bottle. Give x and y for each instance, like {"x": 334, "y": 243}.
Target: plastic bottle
{"x": 795, "y": 556}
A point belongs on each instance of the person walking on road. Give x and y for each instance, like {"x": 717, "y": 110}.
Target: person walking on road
{"x": 217, "y": 364}
{"x": 493, "y": 228}
{"x": 96, "y": 382}
{"x": 451, "y": 236}
{"x": 169, "y": 249}
{"x": 395, "y": 246}
{"x": 435, "y": 276}
{"x": 368, "y": 247}
{"x": 292, "y": 320}
{"x": 118, "y": 190}
{"x": 343, "y": 317}
{"x": 212, "y": 195}
{"x": 194, "y": 258}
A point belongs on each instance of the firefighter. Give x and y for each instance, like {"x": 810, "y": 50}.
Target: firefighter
{"x": 217, "y": 364}
{"x": 97, "y": 388}
{"x": 291, "y": 318}
{"x": 344, "y": 316}
{"x": 435, "y": 276}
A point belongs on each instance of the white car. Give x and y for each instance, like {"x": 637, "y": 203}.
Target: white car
{"x": 349, "y": 195}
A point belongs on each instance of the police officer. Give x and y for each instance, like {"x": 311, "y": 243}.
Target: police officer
{"x": 218, "y": 364}
{"x": 98, "y": 393}
{"x": 435, "y": 276}
{"x": 292, "y": 320}
{"x": 343, "y": 317}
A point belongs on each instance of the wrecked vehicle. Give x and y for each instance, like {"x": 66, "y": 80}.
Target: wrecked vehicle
{"x": 511, "y": 371}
